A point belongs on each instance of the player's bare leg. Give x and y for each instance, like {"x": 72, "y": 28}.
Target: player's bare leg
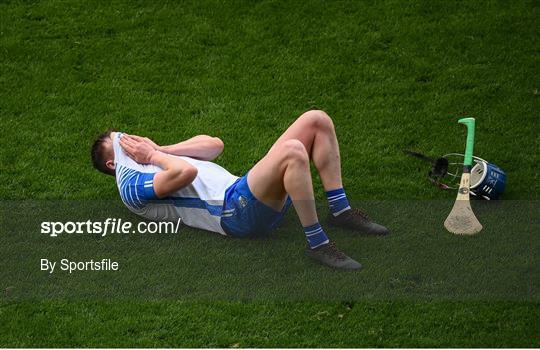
{"x": 285, "y": 171}
{"x": 315, "y": 130}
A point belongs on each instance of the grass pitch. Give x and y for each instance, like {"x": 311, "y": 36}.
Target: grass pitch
{"x": 392, "y": 74}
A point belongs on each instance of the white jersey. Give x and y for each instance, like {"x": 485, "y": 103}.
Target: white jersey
{"x": 198, "y": 205}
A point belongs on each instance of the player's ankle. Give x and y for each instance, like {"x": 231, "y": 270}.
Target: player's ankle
{"x": 337, "y": 201}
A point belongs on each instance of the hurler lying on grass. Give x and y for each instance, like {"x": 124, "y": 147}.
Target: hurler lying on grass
{"x": 181, "y": 181}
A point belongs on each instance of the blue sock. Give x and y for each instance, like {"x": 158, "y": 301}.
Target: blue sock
{"x": 338, "y": 202}
{"x": 315, "y": 236}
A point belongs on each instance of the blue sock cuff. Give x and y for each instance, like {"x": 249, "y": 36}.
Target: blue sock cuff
{"x": 337, "y": 200}
{"x": 312, "y": 227}
{"x": 335, "y": 192}
{"x": 315, "y": 235}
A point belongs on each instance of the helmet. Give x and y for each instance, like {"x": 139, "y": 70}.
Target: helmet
{"x": 487, "y": 181}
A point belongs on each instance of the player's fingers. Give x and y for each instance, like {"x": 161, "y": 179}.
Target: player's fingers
{"x": 125, "y": 137}
{"x": 137, "y": 138}
{"x": 130, "y": 153}
{"x": 126, "y": 140}
{"x": 126, "y": 145}
{"x": 149, "y": 141}
{"x": 134, "y": 141}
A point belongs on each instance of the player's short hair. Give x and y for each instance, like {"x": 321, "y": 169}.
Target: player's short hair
{"x": 98, "y": 153}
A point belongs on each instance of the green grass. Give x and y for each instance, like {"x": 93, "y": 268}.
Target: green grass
{"x": 392, "y": 74}
{"x": 234, "y": 324}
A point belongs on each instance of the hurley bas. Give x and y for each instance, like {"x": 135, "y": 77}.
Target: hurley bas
{"x": 72, "y": 266}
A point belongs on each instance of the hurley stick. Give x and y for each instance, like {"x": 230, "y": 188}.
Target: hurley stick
{"x": 461, "y": 219}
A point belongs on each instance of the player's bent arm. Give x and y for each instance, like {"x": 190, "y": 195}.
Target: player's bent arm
{"x": 176, "y": 174}
{"x": 202, "y": 147}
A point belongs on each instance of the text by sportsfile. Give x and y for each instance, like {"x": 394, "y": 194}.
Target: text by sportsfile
{"x": 71, "y": 266}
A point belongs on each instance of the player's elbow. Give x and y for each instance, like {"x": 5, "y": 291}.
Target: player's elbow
{"x": 189, "y": 174}
{"x": 181, "y": 171}
{"x": 174, "y": 179}
{"x": 183, "y": 174}
{"x": 214, "y": 147}
{"x": 218, "y": 144}
{"x": 180, "y": 178}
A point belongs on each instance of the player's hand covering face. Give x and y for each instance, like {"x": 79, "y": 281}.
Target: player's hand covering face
{"x": 138, "y": 148}
{"x": 147, "y": 141}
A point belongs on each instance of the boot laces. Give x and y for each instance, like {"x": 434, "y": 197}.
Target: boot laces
{"x": 333, "y": 251}
{"x": 358, "y": 213}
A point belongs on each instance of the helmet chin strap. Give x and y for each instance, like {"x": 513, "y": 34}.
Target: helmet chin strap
{"x": 439, "y": 168}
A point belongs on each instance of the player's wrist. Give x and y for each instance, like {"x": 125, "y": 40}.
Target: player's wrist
{"x": 152, "y": 156}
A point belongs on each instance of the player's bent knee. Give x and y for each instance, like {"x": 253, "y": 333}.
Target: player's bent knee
{"x": 319, "y": 119}
{"x": 294, "y": 149}
{"x": 294, "y": 145}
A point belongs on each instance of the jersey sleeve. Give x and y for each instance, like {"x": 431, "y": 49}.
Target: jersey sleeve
{"x": 136, "y": 188}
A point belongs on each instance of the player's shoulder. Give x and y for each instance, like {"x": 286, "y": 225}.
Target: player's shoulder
{"x": 136, "y": 188}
